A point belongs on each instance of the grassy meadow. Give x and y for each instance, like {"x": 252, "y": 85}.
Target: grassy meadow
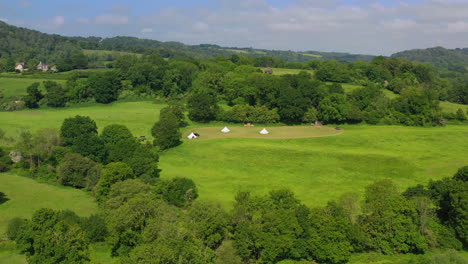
{"x": 27, "y": 195}
{"x": 17, "y": 86}
{"x": 319, "y": 169}
{"x": 277, "y": 132}
{"x": 138, "y": 116}
{"x": 283, "y": 71}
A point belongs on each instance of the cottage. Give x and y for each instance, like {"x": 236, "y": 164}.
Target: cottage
{"x": 42, "y": 67}
{"x": 20, "y": 67}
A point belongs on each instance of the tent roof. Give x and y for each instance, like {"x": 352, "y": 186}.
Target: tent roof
{"x": 264, "y": 131}
{"x": 225, "y": 130}
{"x": 192, "y": 135}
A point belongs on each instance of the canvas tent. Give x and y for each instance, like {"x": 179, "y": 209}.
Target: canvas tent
{"x": 192, "y": 136}
{"x": 264, "y": 132}
{"x": 225, "y": 130}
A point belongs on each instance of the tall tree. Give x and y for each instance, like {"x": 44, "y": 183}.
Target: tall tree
{"x": 34, "y": 96}
{"x": 202, "y": 107}
{"x": 166, "y": 131}
{"x": 105, "y": 86}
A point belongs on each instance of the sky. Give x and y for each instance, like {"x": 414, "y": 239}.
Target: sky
{"x": 377, "y": 27}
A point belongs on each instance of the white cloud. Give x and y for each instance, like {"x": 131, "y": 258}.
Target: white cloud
{"x": 364, "y": 26}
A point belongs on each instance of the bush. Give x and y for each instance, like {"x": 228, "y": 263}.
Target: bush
{"x": 250, "y": 114}
{"x": 78, "y": 171}
{"x": 178, "y": 191}
{"x": 95, "y": 228}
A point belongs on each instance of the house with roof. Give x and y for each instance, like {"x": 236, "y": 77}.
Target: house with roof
{"x": 20, "y": 66}
{"x": 43, "y": 67}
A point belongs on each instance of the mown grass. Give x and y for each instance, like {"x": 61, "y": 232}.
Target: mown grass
{"x": 26, "y": 195}
{"x": 312, "y": 55}
{"x": 319, "y": 169}
{"x": 453, "y": 107}
{"x": 283, "y": 71}
{"x": 17, "y": 86}
{"x": 276, "y": 132}
{"x": 138, "y": 116}
{"x": 109, "y": 52}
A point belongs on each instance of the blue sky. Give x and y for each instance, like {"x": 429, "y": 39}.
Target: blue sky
{"x": 357, "y": 26}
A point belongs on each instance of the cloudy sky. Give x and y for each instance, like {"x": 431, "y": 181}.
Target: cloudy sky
{"x": 356, "y": 26}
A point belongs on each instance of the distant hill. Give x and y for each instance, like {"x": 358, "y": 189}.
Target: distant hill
{"x": 449, "y": 59}
{"x": 26, "y": 44}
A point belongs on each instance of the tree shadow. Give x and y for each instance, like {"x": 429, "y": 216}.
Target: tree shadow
{"x": 3, "y": 198}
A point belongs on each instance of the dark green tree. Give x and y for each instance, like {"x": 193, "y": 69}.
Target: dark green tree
{"x": 202, "y": 107}
{"x": 166, "y": 131}
{"x": 78, "y": 171}
{"x": 178, "y": 191}
{"x": 56, "y": 95}
{"x": 334, "y": 108}
{"x": 74, "y": 127}
{"x": 91, "y": 146}
{"x": 389, "y": 223}
{"x": 53, "y": 237}
{"x": 111, "y": 174}
{"x": 34, "y": 96}
{"x": 105, "y": 86}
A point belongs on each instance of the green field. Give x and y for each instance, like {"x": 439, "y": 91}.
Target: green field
{"x": 312, "y": 55}
{"x": 319, "y": 169}
{"x": 109, "y": 52}
{"x": 138, "y": 116}
{"x": 452, "y": 107}
{"x": 283, "y": 71}
{"x": 17, "y": 86}
{"x": 277, "y": 132}
{"x": 27, "y": 195}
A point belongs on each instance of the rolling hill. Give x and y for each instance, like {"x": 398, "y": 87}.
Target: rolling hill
{"x": 26, "y": 44}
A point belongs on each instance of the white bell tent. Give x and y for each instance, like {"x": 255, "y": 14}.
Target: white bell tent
{"x": 225, "y": 130}
{"x": 192, "y": 136}
{"x": 264, "y": 132}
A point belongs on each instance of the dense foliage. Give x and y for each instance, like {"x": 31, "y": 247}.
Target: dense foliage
{"x": 162, "y": 222}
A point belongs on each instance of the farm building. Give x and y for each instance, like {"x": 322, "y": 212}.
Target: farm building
{"x": 42, "y": 67}
{"x": 20, "y": 66}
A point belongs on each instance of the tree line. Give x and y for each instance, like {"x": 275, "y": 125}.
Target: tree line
{"x": 259, "y": 97}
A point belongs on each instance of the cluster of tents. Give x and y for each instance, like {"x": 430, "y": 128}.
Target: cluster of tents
{"x": 263, "y": 132}
{"x": 224, "y": 130}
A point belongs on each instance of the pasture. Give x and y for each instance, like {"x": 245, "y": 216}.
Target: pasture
{"x": 17, "y": 86}
{"x": 138, "y": 116}
{"x": 318, "y": 169}
{"x": 26, "y": 195}
{"x": 279, "y": 132}
{"x": 283, "y": 71}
